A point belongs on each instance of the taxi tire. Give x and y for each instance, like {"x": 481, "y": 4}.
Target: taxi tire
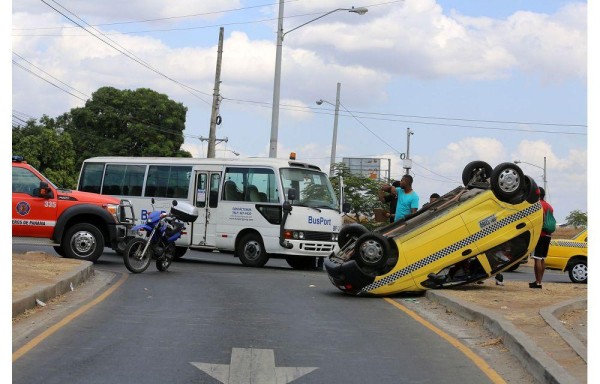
{"x": 531, "y": 188}
{"x": 576, "y": 270}
{"x": 83, "y": 231}
{"x": 349, "y": 231}
{"x": 372, "y": 250}
{"x": 473, "y": 168}
{"x": 508, "y": 182}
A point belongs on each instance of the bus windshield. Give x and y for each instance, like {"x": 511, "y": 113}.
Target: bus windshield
{"x": 313, "y": 188}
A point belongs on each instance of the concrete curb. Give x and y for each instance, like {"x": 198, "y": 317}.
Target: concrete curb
{"x": 537, "y": 362}
{"x": 553, "y": 313}
{"x": 27, "y": 299}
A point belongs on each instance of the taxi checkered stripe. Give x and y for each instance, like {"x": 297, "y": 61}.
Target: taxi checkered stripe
{"x": 453, "y": 248}
{"x": 567, "y": 243}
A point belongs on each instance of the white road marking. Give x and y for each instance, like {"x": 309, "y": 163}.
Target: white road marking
{"x": 250, "y": 365}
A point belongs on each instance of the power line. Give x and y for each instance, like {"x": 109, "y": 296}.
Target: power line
{"x": 148, "y": 125}
{"x": 161, "y": 18}
{"x": 186, "y": 16}
{"x": 41, "y": 70}
{"x": 49, "y": 82}
{"x": 123, "y": 50}
{"x": 325, "y": 111}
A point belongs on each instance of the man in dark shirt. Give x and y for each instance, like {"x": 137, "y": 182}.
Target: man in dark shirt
{"x": 392, "y": 199}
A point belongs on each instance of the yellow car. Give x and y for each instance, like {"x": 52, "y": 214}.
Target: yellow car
{"x": 570, "y": 255}
{"x": 469, "y": 234}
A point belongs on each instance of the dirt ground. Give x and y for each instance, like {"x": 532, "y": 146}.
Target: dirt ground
{"x": 38, "y": 268}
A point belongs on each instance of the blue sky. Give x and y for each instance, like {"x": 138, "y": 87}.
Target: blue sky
{"x": 474, "y": 80}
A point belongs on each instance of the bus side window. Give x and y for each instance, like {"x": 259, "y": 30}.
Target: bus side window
{"x": 213, "y": 196}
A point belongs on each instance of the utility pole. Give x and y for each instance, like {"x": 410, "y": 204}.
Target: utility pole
{"x": 335, "y": 128}
{"x": 276, "y": 85}
{"x": 407, "y": 160}
{"x": 216, "y": 100}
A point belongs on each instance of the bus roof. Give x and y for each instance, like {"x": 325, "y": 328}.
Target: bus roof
{"x": 264, "y": 161}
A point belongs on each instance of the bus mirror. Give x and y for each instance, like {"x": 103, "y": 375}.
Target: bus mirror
{"x": 292, "y": 194}
{"x": 174, "y": 203}
{"x": 346, "y": 207}
{"x": 287, "y": 206}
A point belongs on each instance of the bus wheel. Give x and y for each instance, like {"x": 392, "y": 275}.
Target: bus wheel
{"x": 301, "y": 262}
{"x": 251, "y": 251}
{"x": 179, "y": 252}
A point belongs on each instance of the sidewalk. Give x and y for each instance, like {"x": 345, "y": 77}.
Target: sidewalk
{"x": 549, "y": 358}
{"x": 534, "y": 350}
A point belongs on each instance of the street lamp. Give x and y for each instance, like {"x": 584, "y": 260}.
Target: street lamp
{"x": 335, "y": 126}
{"x": 537, "y": 166}
{"x": 229, "y": 150}
{"x": 277, "y": 81}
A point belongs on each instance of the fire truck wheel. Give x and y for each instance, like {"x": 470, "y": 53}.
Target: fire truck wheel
{"x": 83, "y": 242}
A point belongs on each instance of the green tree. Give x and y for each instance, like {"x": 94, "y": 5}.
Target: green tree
{"x": 127, "y": 123}
{"x": 577, "y": 218}
{"x": 48, "y": 149}
{"x": 359, "y": 191}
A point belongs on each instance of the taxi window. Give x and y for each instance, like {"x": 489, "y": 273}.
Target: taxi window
{"x": 24, "y": 181}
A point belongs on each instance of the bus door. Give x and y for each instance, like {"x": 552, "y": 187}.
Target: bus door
{"x": 206, "y": 198}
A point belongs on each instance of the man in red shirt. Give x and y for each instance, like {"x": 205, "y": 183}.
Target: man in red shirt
{"x": 541, "y": 248}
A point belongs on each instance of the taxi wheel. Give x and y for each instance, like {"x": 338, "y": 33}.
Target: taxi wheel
{"x": 531, "y": 188}
{"x": 476, "y": 171}
{"x": 578, "y": 272}
{"x": 508, "y": 182}
{"x": 372, "y": 250}
{"x": 350, "y": 231}
{"x": 83, "y": 242}
{"x": 60, "y": 250}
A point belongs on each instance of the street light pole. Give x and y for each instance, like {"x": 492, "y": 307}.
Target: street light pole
{"x": 545, "y": 186}
{"x": 335, "y": 125}
{"x": 277, "y": 80}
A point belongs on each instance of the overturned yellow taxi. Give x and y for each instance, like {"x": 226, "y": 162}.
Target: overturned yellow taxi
{"x": 469, "y": 234}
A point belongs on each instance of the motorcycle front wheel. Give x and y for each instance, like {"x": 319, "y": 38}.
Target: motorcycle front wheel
{"x": 135, "y": 260}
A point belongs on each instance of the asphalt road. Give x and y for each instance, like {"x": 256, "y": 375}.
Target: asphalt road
{"x": 209, "y": 320}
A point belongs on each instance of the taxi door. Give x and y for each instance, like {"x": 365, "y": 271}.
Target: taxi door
{"x": 32, "y": 214}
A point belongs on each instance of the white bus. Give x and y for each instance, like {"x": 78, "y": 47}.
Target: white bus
{"x": 256, "y": 207}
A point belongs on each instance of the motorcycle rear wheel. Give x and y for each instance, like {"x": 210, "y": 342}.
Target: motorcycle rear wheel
{"x": 135, "y": 261}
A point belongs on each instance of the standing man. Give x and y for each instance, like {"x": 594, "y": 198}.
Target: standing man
{"x": 390, "y": 198}
{"x": 407, "y": 199}
{"x": 541, "y": 248}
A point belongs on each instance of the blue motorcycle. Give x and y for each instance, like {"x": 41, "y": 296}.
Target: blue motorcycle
{"x": 157, "y": 242}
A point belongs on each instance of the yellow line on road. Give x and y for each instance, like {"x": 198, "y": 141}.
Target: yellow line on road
{"x": 41, "y": 337}
{"x": 478, "y": 361}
